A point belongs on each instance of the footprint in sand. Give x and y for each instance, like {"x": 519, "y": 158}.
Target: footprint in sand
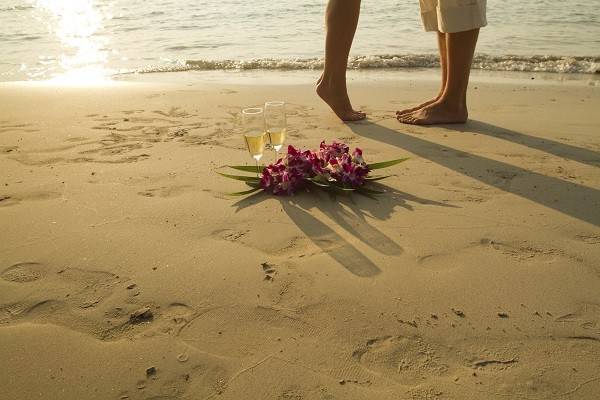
{"x": 67, "y": 291}
{"x": 168, "y": 321}
{"x": 36, "y": 310}
{"x": 165, "y": 191}
{"x": 406, "y": 360}
{"x": 478, "y": 252}
{"x": 43, "y": 309}
{"x": 77, "y": 298}
{"x": 523, "y": 251}
{"x": 88, "y": 287}
{"x": 279, "y": 246}
{"x": 24, "y": 272}
{"x": 175, "y": 318}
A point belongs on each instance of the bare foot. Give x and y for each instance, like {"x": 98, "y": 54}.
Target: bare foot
{"x": 436, "y": 113}
{"x": 412, "y": 109}
{"x": 339, "y": 102}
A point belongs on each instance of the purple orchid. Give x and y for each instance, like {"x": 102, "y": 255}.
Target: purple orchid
{"x": 333, "y": 163}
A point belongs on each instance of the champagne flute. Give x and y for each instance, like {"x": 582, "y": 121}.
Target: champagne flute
{"x": 254, "y": 133}
{"x": 276, "y": 124}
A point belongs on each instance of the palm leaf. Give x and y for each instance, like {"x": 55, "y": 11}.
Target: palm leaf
{"x": 377, "y": 178}
{"x": 240, "y": 177}
{"x": 343, "y": 189}
{"x": 385, "y": 164}
{"x": 318, "y": 182}
{"x": 333, "y": 186}
{"x": 248, "y": 168}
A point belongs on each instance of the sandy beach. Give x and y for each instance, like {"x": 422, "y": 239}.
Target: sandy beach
{"x": 126, "y": 272}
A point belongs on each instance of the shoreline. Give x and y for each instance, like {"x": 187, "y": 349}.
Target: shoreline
{"x": 537, "y": 64}
{"x": 307, "y": 77}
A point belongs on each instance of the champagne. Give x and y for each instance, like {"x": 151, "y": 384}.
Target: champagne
{"x": 277, "y": 138}
{"x": 256, "y": 145}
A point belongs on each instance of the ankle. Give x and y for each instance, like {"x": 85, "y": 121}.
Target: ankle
{"x": 334, "y": 81}
{"x": 452, "y": 104}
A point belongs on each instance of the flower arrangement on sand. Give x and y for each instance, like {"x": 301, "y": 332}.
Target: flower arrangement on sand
{"x": 332, "y": 167}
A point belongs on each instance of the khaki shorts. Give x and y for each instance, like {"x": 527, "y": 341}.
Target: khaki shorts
{"x": 449, "y": 16}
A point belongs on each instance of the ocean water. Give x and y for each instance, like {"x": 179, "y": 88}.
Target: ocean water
{"x": 81, "y": 39}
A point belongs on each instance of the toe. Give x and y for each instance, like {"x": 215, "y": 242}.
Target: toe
{"x": 359, "y": 116}
{"x": 352, "y": 116}
{"x": 408, "y": 119}
{"x": 404, "y": 117}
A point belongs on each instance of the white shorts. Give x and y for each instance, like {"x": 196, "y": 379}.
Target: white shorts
{"x": 449, "y": 16}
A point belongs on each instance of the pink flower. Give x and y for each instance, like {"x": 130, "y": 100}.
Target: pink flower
{"x": 332, "y": 163}
{"x": 288, "y": 174}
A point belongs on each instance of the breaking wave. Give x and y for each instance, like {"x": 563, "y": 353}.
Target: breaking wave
{"x": 555, "y": 64}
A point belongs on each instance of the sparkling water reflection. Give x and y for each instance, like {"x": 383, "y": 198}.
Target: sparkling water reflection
{"x": 76, "y": 25}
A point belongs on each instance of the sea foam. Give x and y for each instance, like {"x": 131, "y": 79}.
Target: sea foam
{"x": 555, "y": 64}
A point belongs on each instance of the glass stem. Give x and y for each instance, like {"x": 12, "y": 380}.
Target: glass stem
{"x": 255, "y": 160}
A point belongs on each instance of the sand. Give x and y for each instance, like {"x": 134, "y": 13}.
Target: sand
{"x": 127, "y": 273}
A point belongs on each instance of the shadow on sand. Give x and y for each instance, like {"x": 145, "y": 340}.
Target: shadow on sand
{"x": 569, "y": 198}
{"x": 352, "y": 214}
{"x": 562, "y": 150}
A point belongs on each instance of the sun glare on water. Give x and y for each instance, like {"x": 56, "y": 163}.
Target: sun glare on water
{"x": 77, "y": 25}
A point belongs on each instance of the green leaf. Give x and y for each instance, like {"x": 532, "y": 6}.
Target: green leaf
{"x": 248, "y": 168}
{"x": 385, "y": 164}
{"x": 377, "y": 178}
{"x": 240, "y": 177}
{"x": 331, "y": 185}
{"x": 245, "y": 192}
{"x": 343, "y": 189}
{"x": 318, "y": 182}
